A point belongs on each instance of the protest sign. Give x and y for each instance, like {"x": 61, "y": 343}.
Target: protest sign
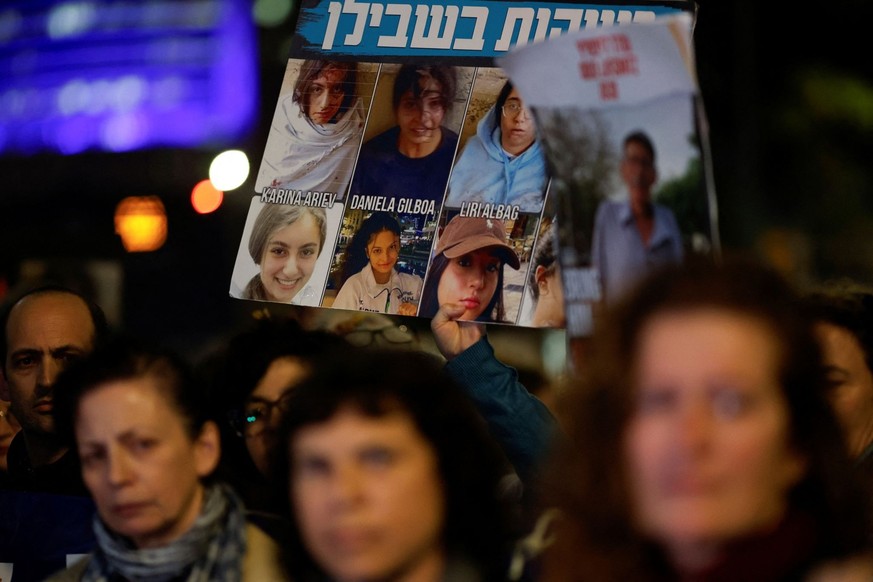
{"x": 395, "y": 126}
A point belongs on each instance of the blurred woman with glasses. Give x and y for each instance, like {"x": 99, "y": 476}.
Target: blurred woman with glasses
{"x": 258, "y": 372}
{"x": 503, "y": 162}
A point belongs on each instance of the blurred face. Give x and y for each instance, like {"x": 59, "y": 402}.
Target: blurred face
{"x": 420, "y": 118}
{"x": 139, "y": 462}
{"x": 8, "y": 428}
{"x": 707, "y": 448}
{"x": 470, "y": 279}
{"x": 383, "y": 250}
{"x": 517, "y": 129}
{"x": 368, "y": 497}
{"x": 638, "y": 172}
{"x": 265, "y": 406}
{"x": 550, "y": 305}
{"x": 44, "y": 333}
{"x": 325, "y": 95}
{"x": 850, "y": 383}
{"x": 289, "y": 258}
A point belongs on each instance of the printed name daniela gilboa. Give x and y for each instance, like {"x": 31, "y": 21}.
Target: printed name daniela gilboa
{"x": 390, "y": 204}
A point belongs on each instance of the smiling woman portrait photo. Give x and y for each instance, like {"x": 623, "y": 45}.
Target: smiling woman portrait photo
{"x": 279, "y": 253}
{"x": 370, "y": 279}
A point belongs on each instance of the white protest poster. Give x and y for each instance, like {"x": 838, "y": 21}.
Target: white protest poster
{"x": 622, "y": 124}
{"x": 403, "y": 169}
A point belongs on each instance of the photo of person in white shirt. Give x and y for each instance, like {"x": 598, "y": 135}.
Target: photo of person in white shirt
{"x": 370, "y": 280}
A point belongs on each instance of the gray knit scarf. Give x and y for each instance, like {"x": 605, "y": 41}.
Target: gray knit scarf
{"x": 212, "y": 550}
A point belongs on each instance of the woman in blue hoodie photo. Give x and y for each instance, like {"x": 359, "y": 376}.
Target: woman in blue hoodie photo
{"x": 503, "y": 163}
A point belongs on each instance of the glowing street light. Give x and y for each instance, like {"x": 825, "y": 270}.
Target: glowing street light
{"x": 205, "y": 197}
{"x": 141, "y": 221}
{"x": 229, "y": 170}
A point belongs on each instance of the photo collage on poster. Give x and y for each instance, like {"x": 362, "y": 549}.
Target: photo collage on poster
{"x": 393, "y": 181}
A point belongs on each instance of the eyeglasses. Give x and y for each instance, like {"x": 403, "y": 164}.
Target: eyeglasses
{"x": 256, "y": 417}
{"x": 399, "y": 334}
{"x": 513, "y": 108}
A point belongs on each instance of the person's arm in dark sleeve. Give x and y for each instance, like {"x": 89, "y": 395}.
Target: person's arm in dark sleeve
{"x": 520, "y": 422}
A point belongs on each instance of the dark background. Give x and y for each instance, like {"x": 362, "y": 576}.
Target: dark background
{"x": 789, "y": 99}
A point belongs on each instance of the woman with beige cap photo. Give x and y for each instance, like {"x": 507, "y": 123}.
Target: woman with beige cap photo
{"x": 467, "y": 269}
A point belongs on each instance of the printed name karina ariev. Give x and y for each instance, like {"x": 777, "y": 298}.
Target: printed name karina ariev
{"x": 297, "y": 197}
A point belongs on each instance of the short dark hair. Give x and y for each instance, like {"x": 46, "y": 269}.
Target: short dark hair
{"x": 642, "y": 138}
{"x": 312, "y": 68}
{"x": 250, "y": 352}
{"x": 544, "y": 256}
{"x": 98, "y": 317}
{"x": 379, "y": 381}
{"x": 124, "y": 357}
{"x": 501, "y": 101}
{"x": 408, "y": 78}
{"x": 847, "y": 306}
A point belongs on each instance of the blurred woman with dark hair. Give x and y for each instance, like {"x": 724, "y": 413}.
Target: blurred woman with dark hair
{"x": 258, "y": 371}
{"x": 391, "y": 475}
{"x": 700, "y": 445}
{"x": 844, "y": 315}
{"x": 148, "y": 448}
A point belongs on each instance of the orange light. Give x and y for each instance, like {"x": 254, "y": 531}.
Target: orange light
{"x": 141, "y": 222}
{"x": 205, "y": 197}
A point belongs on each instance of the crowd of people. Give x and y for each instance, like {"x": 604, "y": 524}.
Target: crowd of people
{"x": 720, "y": 428}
